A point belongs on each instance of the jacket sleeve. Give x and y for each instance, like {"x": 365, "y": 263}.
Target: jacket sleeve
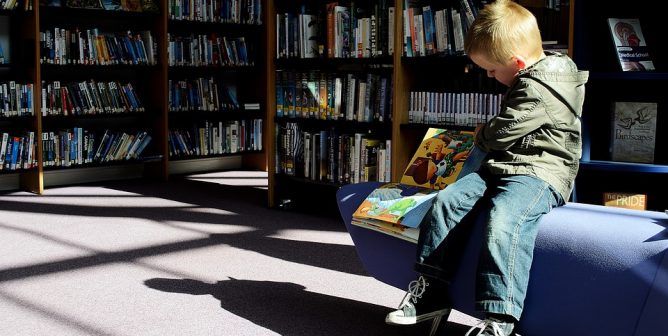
{"x": 522, "y": 114}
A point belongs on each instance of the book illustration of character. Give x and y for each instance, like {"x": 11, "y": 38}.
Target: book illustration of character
{"x": 642, "y": 117}
{"x": 627, "y": 34}
{"x": 392, "y": 201}
{"x": 442, "y": 153}
{"x": 395, "y": 208}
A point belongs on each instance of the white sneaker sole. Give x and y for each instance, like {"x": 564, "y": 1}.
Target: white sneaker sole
{"x": 397, "y": 319}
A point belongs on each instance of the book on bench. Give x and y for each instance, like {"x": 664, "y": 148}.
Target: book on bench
{"x": 397, "y": 208}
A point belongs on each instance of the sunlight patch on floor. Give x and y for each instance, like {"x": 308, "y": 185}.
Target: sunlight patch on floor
{"x": 255, "y": 179}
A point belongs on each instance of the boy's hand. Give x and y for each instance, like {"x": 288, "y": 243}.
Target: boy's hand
{"x": 478, "y": 128}
{"x": 475, "y": 132}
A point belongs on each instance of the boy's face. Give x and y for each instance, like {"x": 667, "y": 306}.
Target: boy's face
{"x": 504, "y": 73}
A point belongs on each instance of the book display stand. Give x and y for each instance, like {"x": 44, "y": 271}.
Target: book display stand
{"x": 610, "y": 90}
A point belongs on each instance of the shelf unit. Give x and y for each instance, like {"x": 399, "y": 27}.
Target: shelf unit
{"x": 203, "y": 59}
{"x": 149, "y": 82}
{"x": 292, "y": 187}
{"x": 22, "y": 66}
{"x": 593, "y": 50}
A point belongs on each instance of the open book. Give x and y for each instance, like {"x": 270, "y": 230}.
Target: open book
{"x": 397, "y": 208}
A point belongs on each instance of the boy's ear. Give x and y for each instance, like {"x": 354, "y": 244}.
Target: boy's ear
{"x": 520, "y": 62}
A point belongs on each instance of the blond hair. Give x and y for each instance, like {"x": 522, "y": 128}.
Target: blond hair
{"x": 504, "y": 29}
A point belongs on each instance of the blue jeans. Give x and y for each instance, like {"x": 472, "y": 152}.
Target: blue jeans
{"x": 512, "y": 206}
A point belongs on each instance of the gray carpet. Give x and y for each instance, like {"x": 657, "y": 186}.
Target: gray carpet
{"x": 199, "y": 255}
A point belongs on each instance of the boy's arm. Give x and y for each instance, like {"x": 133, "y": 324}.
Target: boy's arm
{"x": 523, "y": 115}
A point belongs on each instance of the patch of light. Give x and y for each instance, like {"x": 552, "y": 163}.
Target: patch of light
{"x": 210, "y": 211}
{"x": 127, "y": 200}
{"x": 256, "y": 179}
{"x": 209, "y": 228}
{"x": 328, "y": 237}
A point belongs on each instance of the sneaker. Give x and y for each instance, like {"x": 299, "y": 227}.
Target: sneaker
{"x": 492, "y": 327}
{"x": 415, "y": 308}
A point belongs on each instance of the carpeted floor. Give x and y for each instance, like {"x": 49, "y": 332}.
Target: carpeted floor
{"x": 199, "y": 255}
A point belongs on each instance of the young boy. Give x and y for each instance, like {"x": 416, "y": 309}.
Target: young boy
{"x": 533, "y": 149}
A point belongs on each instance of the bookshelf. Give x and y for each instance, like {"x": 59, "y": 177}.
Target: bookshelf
{"x": 18, "y": 34}
{"x": 332, "y": 98}
{"x": 416, "y": 77}
{"x": 215, "y": 56}
{"x": 593, "y": 49}
{"x": 113, "y": 79}
{"x": 101, "y": 86}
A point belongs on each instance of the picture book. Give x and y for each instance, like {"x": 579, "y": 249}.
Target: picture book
{"x": 397, "y": 208}
{"x": 630, "y": 44}
{"x": 633, "y": 131}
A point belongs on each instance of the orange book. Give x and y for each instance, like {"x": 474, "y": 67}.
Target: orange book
{"x": 625, "y": 200}
{"x": 330, "y": 28}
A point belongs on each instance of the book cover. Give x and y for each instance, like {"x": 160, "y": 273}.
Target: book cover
{"x": 149, "y": 6}
{"x": 131, "y": 5}
{"x": 625, "y": 200}
{"x": 397, "y": 208}
{"x": 633, "y": 131}
{"x": 630, "y": 44}
{"x": 114, "y": 5}
{"x": 90, "y": 4}
{"x": 439, "y": 159}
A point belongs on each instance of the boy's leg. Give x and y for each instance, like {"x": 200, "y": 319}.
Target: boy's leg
{"x": 427, "y": 297}
{"x": 451, "y": 207}
{"x": 516, "y": 205}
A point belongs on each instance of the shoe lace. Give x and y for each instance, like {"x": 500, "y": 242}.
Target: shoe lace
{"x": 415, "y": 290}
{"x": 487, "y": 325}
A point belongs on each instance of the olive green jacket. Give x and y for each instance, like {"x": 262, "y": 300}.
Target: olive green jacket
{"x": 537, "y": 131}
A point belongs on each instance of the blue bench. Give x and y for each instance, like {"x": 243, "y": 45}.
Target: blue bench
{"x": 597, "y": 270}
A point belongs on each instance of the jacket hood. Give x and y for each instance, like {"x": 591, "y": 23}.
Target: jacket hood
{"x": 558, "y": 73}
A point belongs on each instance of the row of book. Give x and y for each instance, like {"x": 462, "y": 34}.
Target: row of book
{"x": 332, "y": 96}
{"x": 89, "y": 97}
{"x": 18, "y": 151}
{"x": 207, "y": 50}
{"x": 16, "y": 99}
{"x": 453, "y": 108}
{"x": 227, "y": 11}
{"x": 111, "y": 5}
{"x": 330, "y": 156}
{"x": 215, "y": 138}
{"x": 79, "y": 146}
{"x": 352, "y": 31}
{"x": 62, "y": 46}
{"x": 202, "y": 94}
{"x": 9, "y": 4}
{"x": 428, "y": 31}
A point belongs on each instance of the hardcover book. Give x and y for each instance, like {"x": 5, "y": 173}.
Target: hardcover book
{"x": 630, "y": 44}
{"x": 397, "y": 208}
{"x": 633, "y": 131}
